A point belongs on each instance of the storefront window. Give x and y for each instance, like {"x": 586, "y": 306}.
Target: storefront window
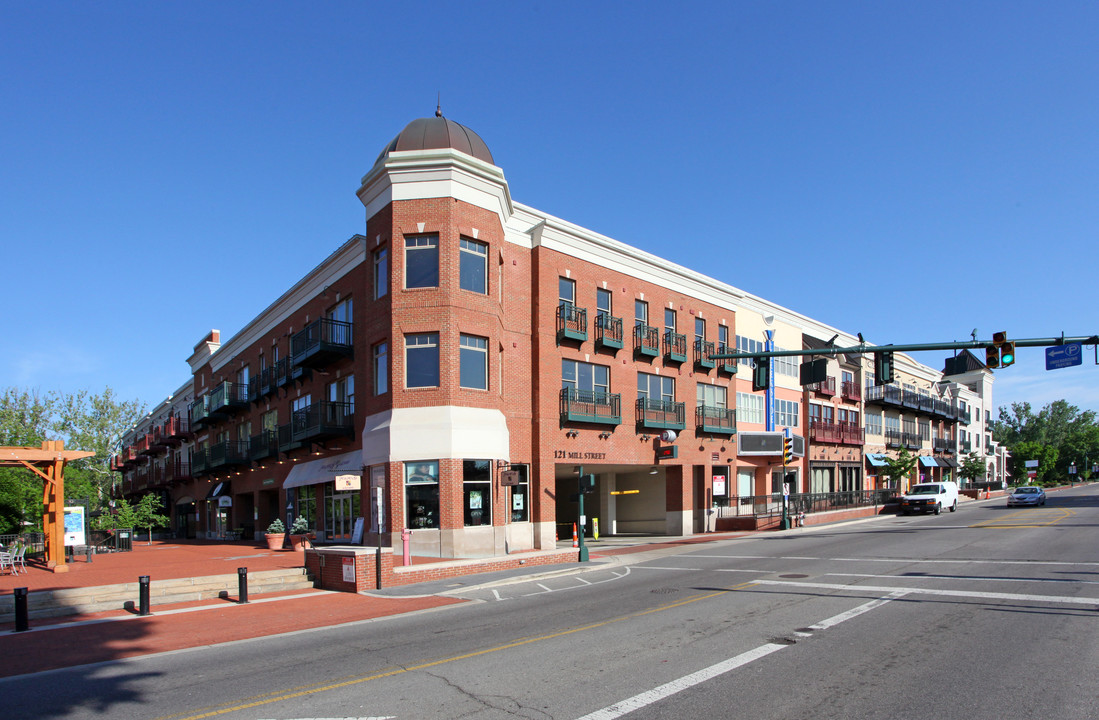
{"x": 341, "y": 511}
{"x": 307, "y": 504}
{"x": 477, "y": 492}
{"x": 422, "y": 494}
{"x": 520, "y": 495}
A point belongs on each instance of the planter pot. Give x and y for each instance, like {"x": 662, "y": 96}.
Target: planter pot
{"x": 298, "y": 542}
{"x": 274, "y": 541}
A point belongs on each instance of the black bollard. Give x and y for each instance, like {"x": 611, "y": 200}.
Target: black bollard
{"x": 242, "y": 585}
{"x": 21, "y": 622}
{"x": 378, "y": 567}
{"x": 143, "y": 595}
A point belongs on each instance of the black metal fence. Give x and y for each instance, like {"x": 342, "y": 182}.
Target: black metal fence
{"x": 767, "y": 505}
{"x": 35, "y": 541}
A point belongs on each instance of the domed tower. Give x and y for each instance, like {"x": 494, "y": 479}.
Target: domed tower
{"x": 450, "y": 298}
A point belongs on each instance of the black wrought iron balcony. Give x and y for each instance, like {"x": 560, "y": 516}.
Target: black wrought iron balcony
{"x": 965, "y": 446}
{"x": 593, "y": 406}
{"x": 715, "y": 420}
{"x": 910, "y": 399}
{"x": 228, "y": 453}
{"x": 703, "y": 351}
{"x": 264, "y": 445}
{"x": 572, "y": 322}
{"x": 726, "y": 366}
{"x": 228, "y": 398}
{"x": 893, "y": 438}
{"x": 608, "y": 331}
{"x": 646, "y": 340}
{"x": 661, "y": 414}
{"x": 322, "y": 420}
{"x": 200, "y": 412}
{"x": 321, "y": 343}
{"x": 912, "y": 440}
{"x": 942, "y": 445}
{"x": 200, "y": 462}
{"x": 282, "y": 372}
{"x": 265, "y": 382}
{"x": 675, "y": 347}
{"x": 178, "y": 471}
{"x": 286, "y": 439}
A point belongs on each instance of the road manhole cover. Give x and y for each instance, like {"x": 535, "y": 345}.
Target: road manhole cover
{"x": 665, "y": 591}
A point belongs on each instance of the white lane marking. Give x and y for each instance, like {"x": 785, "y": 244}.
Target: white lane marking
{"x": 854, "y": 612}
{"x": 686, "y": 682}
{"x": 692, "y": 569}
{"x": 1057, "y": 563}
{"x": 964, "y": 577}
{"x": 1063, "y": 599}
{"x": 497, "y": 594}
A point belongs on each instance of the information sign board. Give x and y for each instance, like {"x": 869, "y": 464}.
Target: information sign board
{"x": 1063, "y": 356}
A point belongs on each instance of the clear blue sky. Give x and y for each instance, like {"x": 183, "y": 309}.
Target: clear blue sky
{"x": 911, "y": 171}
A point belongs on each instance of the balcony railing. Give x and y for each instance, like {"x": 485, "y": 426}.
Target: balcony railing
{"x": 264, "y": 445}
{"x": 661, "y": 414}
{"x": 200, "y": 462}
{"x": 322, "y": 420}
{"x": 851, "y": 390}
{"x": 726, "y": 366}
{"x": 703, "y": 352}
{"x": 827, "y": 386}
{"x": 851, "y": 434}
{"x": 178, "y": 471}
{"x": 593, "y": 406}
{"x": 898, "y": 438}
{"x": 608, "y": 331}
{"x": 572, "y": 322}
{"x": 200, "y": 412}
{"x": 965, "y": 446}
{"x": 228, "y": 453}
{"x": 716, "y": 420}
{"x": 910, "y": 399}
{"x": 176, "y": 429}
{"x": 143, "y": 445}
{"x": 321, "y": 342}
{"x": 282, "y": 371}
{"x": 646, "y": 340}
{"x": 942, "y": 445}
{"x": 675, "y": 347}
{"x": 228, "y": 398}
{"x": 286, "y": 438}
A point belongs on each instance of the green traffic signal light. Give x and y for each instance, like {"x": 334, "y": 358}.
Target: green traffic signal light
{"x": 1007, "y": 354}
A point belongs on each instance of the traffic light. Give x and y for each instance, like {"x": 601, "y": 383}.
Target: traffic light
{"x": 1001, "y": 352}
{"x": 761, "y": 376}
{"x": 587, "y": 484}
{"x": 787, "y": 450}
{"x": 883, "y": 367}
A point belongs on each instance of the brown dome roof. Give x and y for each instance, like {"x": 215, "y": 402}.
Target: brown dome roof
{"x": 437, "y": 133}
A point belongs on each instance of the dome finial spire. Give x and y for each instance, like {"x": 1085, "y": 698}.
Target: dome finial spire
{"x": 439, "y": 105}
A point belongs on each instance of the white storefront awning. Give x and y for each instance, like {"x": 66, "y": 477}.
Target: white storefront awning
{"x": 435, "y": 433}
{"x": 324, "y": 470}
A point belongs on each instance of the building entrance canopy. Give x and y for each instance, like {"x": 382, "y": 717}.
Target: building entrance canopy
{"x": 324, "y": 470}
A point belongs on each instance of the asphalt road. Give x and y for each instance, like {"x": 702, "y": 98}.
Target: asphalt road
{"x": 988, "y": 612}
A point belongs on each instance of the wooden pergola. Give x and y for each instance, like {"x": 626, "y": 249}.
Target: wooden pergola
{"x": 48, "y": 462}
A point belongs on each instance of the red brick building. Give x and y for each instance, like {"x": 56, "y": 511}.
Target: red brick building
{"x": 450, "y": 370}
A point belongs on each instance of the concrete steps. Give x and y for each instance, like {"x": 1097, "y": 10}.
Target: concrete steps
{"x": 73, "y": 601}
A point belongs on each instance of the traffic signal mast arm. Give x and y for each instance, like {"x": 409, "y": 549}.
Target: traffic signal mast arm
{"x": 916, "y": 347}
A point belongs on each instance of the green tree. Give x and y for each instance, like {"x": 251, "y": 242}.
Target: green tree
{"x": 1070, "y": 433}
{"x": 84, "y": 421}
{"x": 898, "y": 468}
{"x": 974, "y": 468}
{"x": 25, "y": 419}
{"x": 96, "y": 423}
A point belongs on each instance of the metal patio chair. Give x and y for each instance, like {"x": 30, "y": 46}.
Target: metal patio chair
{"x": 7, "y": 560}
{"x": 18, "y": 558}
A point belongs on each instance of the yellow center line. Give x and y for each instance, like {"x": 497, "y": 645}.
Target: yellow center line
{"x": 304, "y": 690}
{"x": 1037, "y": 517}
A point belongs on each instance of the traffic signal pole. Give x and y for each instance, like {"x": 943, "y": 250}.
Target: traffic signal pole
{"x": 864, "y": 348}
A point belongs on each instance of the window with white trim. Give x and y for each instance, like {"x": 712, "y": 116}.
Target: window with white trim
{"x": 749, "y": 408}
{"x": 421, "y": 261}
{"x": 786, "y": 413}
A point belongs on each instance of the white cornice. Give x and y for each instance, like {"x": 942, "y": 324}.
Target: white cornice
{"x": 442, "y": 173}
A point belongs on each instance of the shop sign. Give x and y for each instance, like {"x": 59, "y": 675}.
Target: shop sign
{"x": 569, "y": 455}
{"x": 225, "y": 501}
{"x": 348, "y": 482}
{"x": 719, "y": 485}
{"x": 509, "y": 478}
{"x": 349, "y": 569}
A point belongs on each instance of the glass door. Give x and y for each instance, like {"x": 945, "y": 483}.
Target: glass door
{"x": 340, "y": 518}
